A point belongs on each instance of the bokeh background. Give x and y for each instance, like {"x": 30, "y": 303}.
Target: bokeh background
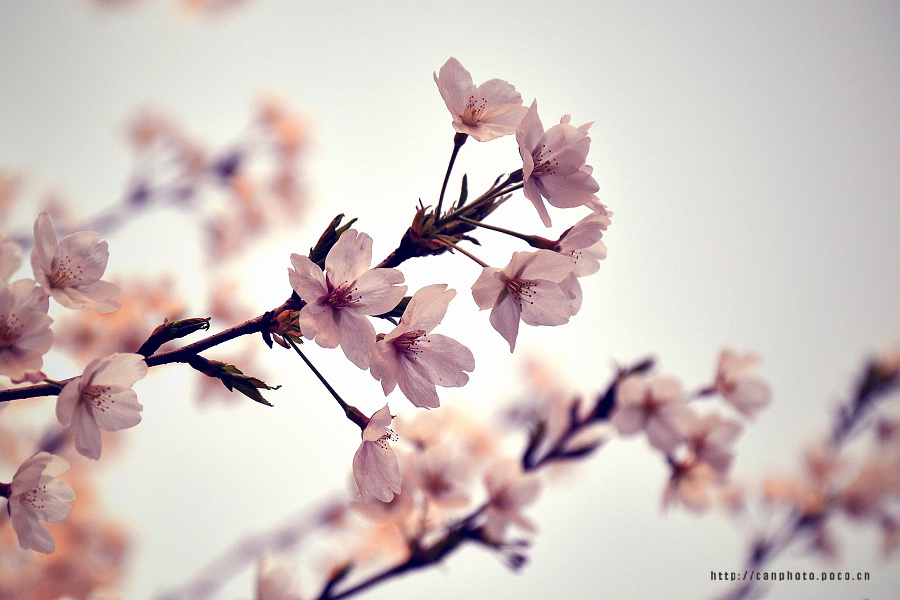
{"x": 749, "y": 153}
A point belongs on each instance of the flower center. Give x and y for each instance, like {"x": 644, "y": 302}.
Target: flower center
{"x": 98, "y": 397}
{"x": 35, "y": 497}
{"x": 389, "y": 436}
{"x": 544, "y": 161}
{"x": 520, "y": 290}
{"x": 407, "y": 343}
{"x": 473, "y": 110}
{"x": 341, "y": 297}
{"x": 66, "y": 273}
{"x": 10, "y": 331}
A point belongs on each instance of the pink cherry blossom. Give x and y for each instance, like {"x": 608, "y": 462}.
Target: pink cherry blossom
{"x": 375, "y": 466}
{"x": 690, "y": 484}
{"x": 509, "y": 491}
{"x": 583, "y": 244}
{"x": 276, "y": 579}
{"x": 710, "y": 439}
{"x": 35, "y": 495}
{"x": 338, "y": 300}
{"x": 554, "y": 164}
{"x": 535, "y": 287}
{"x": 70, "y": 270}
{"x": 10, "y": 261}
{"x": 654, "y": 405}
{"x": 417, "y": 360}
{"x": 489, "y": 111}
{"x": 25, "y": 334}
{"x": 101, "y": 398}
{"x": 737, "y": 381}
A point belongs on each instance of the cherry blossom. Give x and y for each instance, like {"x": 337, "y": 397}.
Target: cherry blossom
{"x": 417, "y": 360}
{"x": 338, "y": 300}
{"x": 710, "y": 438}
{"x": 554, "y": 164}
{"x": 690, "y": 485}
{"x": 491, "y": 110}
{"x": 583, "y": 244}
{"x": 10, "y": 261}
{"x": 101, "y": 398}
{"x": 276, "y": 579}
{"x": 655, "y": 405}
{"x": 25, "y": 334}
{"x": 509, "y": 491}
{"x": 375, "y": 466}
{"x": 535, "y": 287}
{"x": 739, "y": 384}
{"x": 35, "y": 495}
{"x": 70, "y": 270}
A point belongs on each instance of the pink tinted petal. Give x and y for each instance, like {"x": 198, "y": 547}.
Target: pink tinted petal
{"x": 427, "y": 307}
{"x": 378, "y": 424}
{"x": 455, "y": 85}
{"x": 532, "y": 191}
{"x": 318, "y": 321}
{"x": 628, "y": 420}
{"x": 349, "y": 258}
{"x": 574, "y": 190}
{"x": 67, "y": 400}
{"x": 548, "y": 265}
{"x": 505, "y": 319}
{"x": 550, "y": 305}
{"x": 357, "y": 338}
{"x": 415, "y": 386}
{"x": 530, "y": 130}
{"x": 85, "y": 432}
{"x": 446, "y": 360}
{"x": 31, "y": 534}
{"x": 487, "y": 288}
{"x": 376, "y": 471}
{"x": 120, "y": 371}
{"x": 122, "y": 411}
{"x": 307, "y": 279}
{"x": 378, "y": 292}
{"x": 44, "y": 247}
{"x": 383, "y": 366}
{"x": 86, "y": 249}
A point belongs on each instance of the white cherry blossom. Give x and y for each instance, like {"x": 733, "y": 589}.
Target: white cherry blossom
{"x": 535, "y": 287}
{"x": 35, "y": 495}
{"x": 375, "y": 466}
{"x": 509, "y": 491}
{"x": 655, "y": 405}
{"x": 101, "y": 398}
{"x": 737, "y": 381}
{"x": 25, "y": 334}
{"x": 70, "y": 270}
{"x": 553, "y": 164}
{"x": 338, "y": 299}
{"x": 490, "y": 110}
{"x": 417, "y": 360}
{"x": 583, "y": 243}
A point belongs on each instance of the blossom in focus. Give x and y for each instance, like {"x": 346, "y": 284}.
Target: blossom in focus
{"x": 375, "y": 467}
{"x": 25, "y": 334}
{"x": 655, "y": 405}
{"x": 583, "y": 244}
{"x": 338, "y": 300}
{"x": 70, "y": 270}
{"x": 737, "y": 381}
{"x": 531, "y": 288}
{"x": 101, "y": 398}
{"x": 417, "y": 360}
{"x": 36, "y": 495}
{"x": 490, "y": 110}
{"x": 553, "y": 164}
{"x": 509, "y": 491}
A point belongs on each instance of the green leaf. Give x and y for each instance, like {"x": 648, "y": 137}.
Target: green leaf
{"x": 463, "y": 192}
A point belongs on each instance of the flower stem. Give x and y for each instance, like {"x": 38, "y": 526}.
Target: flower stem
{"x": 515, "y": 234}
{"x": 450, "y": 244}
{"x": 483, "y": 199}
{"x": 458, "y": 140}
{"x": 352, "y": 412}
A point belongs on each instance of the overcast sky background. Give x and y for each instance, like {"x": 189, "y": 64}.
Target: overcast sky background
{"x": 749, "y": 153}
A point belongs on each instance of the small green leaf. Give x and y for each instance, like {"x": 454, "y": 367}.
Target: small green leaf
{"x": 463, "y": 192}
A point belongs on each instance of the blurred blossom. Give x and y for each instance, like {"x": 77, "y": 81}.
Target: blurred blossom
{"x": 375, "y": 466}
{"x": 36, "y": 495}
{"x": 417, "y": 360}
{"x": 690, "y": 485}
{"x": 70, "y": 270}
{"x": 25, "y": 334}
{"x": 101, "y": 398}
{"x": 10, "y": 260}
{"x": 529, "y": 288}
{"x": 442, "y": 474}
{"x": 710, "y": 439}
{"x": 738, "y": 382}
{"x": 485, "y": 112}
{"x": 509, "y": 491}
{"x": 337, "y": 302}
{"x": 655, "y": 405}
{"x": 554, "y": 164}
{"x": 276, "y": 579}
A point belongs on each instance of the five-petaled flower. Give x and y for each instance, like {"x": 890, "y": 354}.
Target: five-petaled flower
{"x": 655, "y": 405}
{"x": 417, "y": 360}
{"x": 338, "y": 300}
{"x": 553, "y": 164}
{"x": 35, "y": 495}
{"x": 738, "y": 382}
{"x": 535, "y": 287}
{"x": 70, "y": 270}
{"x": 491, "y": 110}
{"x": 101, "y": 398}
{"x": 25, "y": 334}
{"x": 509, "y": 491}
{"x": 375, "y": 466}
